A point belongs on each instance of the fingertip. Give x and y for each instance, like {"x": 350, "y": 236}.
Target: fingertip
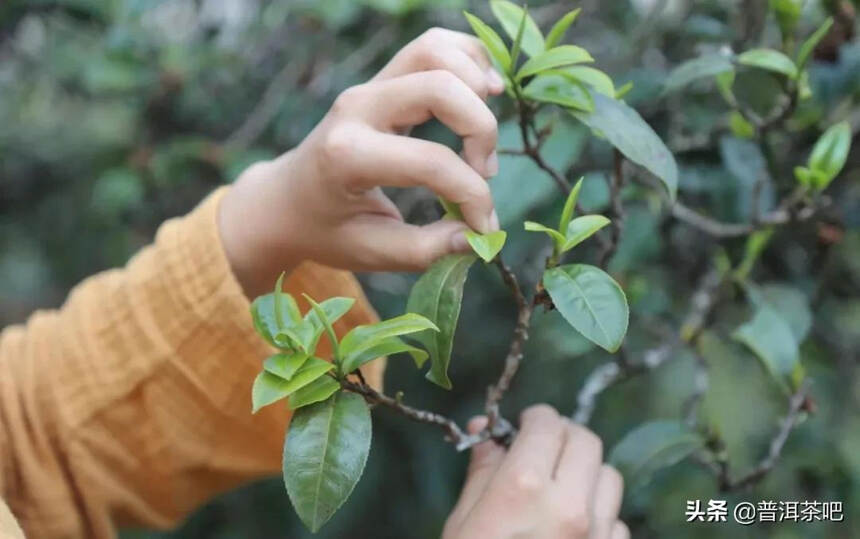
{"x": 477, "y": 424}
{"x": 459, "y": 243}
{"x": 495, "y": 83}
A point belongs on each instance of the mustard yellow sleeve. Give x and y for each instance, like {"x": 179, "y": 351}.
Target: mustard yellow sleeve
{"x": 131, "y": 405}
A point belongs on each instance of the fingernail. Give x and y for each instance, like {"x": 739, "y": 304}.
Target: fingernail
{"x": 459, "y": 243}
{"x": 497, "y": 84}
{"x": 494, "y": 221}
{"x": 493, "y": 164}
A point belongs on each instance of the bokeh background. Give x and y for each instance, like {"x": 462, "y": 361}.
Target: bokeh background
{"x": 118, "y": 114}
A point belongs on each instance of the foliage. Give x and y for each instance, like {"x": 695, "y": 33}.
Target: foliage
{"x": 116, "y": 116}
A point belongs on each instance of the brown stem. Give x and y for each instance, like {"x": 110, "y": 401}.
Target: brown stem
{"x": 496, "y": 392}
{"x": 616, "y": 183}
{"x": 719, "y": 464}
{"x": 453, "y": 432}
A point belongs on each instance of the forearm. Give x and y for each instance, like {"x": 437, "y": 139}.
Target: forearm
{"x": 132, "y": 402}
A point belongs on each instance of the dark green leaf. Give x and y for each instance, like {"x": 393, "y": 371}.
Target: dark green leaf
{"x": 324, "y": 455}
{"x": 438, "y": 295}
{"x": 491, "y": 40}
{"x": 582, "y": 228}
{"x": 269, "y": 388}
{"x": 791, "y": 304}
{"x": 808, "y": 46}
{"x": 487, "y": 246}
{"x": 556, "y": 236}
{"x": 558, "y": 89}
{"x": 356, "y": 358}
{"x": 285, "y": 365}
{"x": 559, "y": 28}
{"x": 591, "y": 301}
{"x": 562, "y": 55}
{"x": 698, "y": 68}
{"x": 317, "y": 391}
{"x": 510, "y": 15}
{"x": 770, "y": 60}
{"x": 830, "y": 153}
{"x": 626, "y": 130}
{"x": 652, "y": 446}
{"x": 769, "y": 336}
{"x": 569, "y": 208}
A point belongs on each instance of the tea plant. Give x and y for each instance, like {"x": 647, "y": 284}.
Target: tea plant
{"x": 329, "y": 437}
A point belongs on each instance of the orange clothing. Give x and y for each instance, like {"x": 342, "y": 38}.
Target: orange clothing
{"x": 131, "y": 405}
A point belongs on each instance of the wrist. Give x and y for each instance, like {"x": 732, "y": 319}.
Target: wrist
{"x": 254, "y": 227}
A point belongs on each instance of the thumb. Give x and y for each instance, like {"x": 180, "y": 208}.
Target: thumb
{"x": 392, "y": 245}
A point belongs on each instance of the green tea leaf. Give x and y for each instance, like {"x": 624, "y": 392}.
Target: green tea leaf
{"x": 324, "y": 455}
{"x": 770, "y": 60}
{"x": 285, "y": 365}
{"x": 317, "y": 391}
{"x": 558, "y": 30}
{"x": 452, "y": 211}
{"x": 626, "y": 130}
{"x": 518, "y": 40}
{"x": 754, "y": 247}
{"x": 265, "y": 321}
{"x": 830, "y": 154}
{"x": 487, "y": 246}
{"x": 491, "y": 40}
{"x": 356, "y": 358}
{"x": 323, "y": 320}
{"x": 556, "y": 236}
{"x": 510, "y": 15}
{"x": 582, "y": 228}
{"x": 652, "y": 446}
{"x": 269, "y": 388}
{"x": 725, "y": 84}
{"x": 568, "y": 210}
{"x": 597, "y": 79}
{"x": 438, "y": 295}
{"x": 560, "y": 90}
{"x": 623, "y": 90}
{"x": 702, "y": 67}
{"x": 562, "y": 55}
{"x": 362, "y": 337}
{"x": 333, "y": 309}
{"x": 591, "y": 301}
{"x": 770, "y": 338}
{"x": 740, "y": 127}
{"x": 808, "y": 46}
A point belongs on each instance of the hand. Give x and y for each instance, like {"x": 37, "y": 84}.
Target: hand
{"x": 551, "y": 483}
{"x": 322, "y": 201}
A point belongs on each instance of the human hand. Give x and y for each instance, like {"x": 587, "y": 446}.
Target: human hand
{"x": 551, "y": 483}
{"x": 322, "y": 201}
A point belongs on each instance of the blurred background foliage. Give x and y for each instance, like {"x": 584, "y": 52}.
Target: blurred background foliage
{"x": 118, "y": 114}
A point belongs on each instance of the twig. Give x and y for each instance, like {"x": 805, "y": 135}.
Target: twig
{"x": 515, "y": 352}
{"x": 719, "y": 464}
{"x": 616, "y": 183}
{"x": 453, "y": 432}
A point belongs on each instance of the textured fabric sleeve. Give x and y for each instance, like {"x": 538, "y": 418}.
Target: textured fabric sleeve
{"x": 131, "y": 404}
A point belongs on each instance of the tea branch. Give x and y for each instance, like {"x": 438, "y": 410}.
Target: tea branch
{"x": 496, "y": 392}
{"x": 718, "y": 462}
{"x": 453, "y": 432}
